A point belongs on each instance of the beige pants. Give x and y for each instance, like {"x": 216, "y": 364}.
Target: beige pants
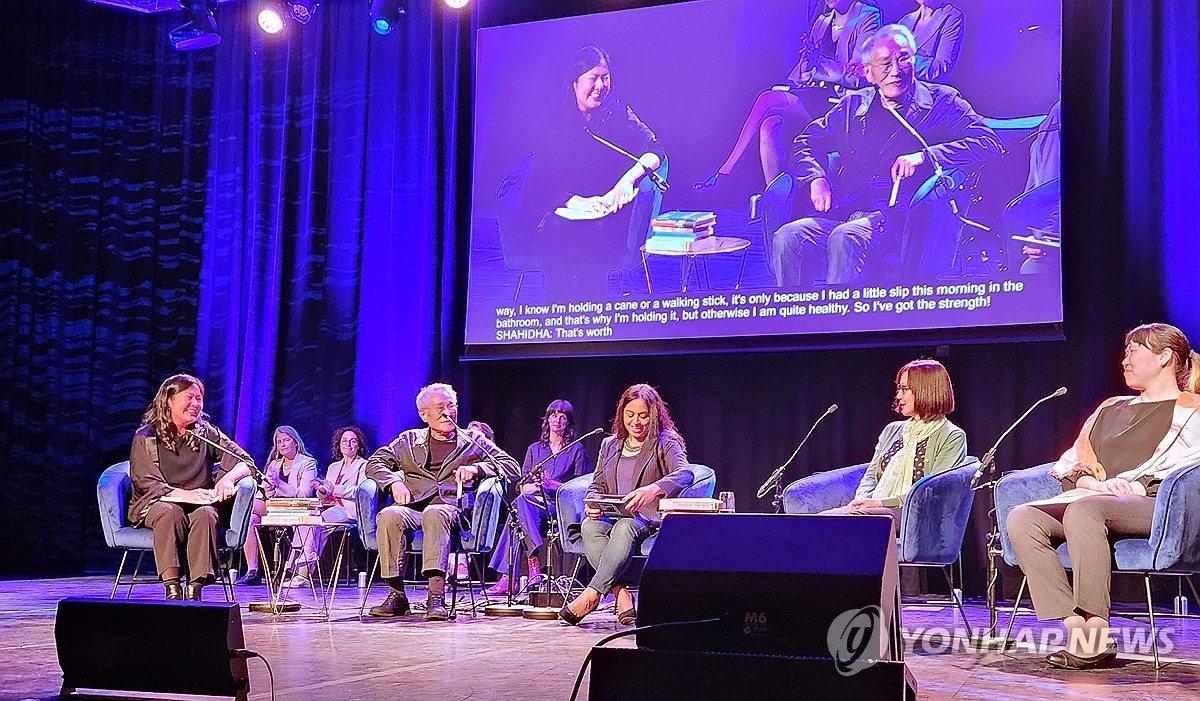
{"x": 1085, "y": 526}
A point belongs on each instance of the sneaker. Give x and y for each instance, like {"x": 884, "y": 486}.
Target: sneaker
{"x": 435, "y": 608}
{"x": 396, "y": 604}
{"x": 300, "y": 581}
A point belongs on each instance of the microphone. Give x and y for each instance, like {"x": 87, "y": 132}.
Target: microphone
{"x": 766, "y": 487}
{"x": 989, "y": 456}
{"x": 659, "y": 183}
{"x": 193, "y": 432}
{"x": 487, "y": 455}
{"x": 536, "y": 469}
{"x": 937, "y": 167}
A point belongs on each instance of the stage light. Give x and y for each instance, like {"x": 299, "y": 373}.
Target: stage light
{"x": 271, "y": 18}
{"x": 302, "y": 10}
{"x": 456, "y": 4}
{"x": 385, "y": 15}
{"x": 199, "y": 32}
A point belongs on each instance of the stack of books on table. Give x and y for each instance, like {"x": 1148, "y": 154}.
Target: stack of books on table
{"x": 676, "y": 231}
{"x": 292, "y": 512}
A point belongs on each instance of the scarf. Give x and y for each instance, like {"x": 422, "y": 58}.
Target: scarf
{"x": 899, "y": 472}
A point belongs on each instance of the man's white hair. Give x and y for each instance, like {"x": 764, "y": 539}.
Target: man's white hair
{"x": 425, "y": 396}
{"x": 896, "y": 32}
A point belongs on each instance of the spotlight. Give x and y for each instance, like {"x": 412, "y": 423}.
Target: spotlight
{"x": 271, "y": 17}
{"x": 456, "y": 4}
{"x": 199, "y": 32}
{"x": 385, "y": 15}
{"x": 302, "y": 10}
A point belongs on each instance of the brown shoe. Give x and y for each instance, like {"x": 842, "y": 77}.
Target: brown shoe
{"x": 194, "y": 591}
{"x": 174, "y": 590}
{"x": 435, "y": 608}
{"x": 396, "y": 604}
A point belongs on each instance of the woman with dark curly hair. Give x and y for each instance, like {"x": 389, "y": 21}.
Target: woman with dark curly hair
{"x": 644, "y": 460}
{"x": 558, "y": 429}
{"x": 176, "y": 491}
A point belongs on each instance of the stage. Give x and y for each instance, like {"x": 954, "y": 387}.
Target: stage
{"x": 513, "y": 658}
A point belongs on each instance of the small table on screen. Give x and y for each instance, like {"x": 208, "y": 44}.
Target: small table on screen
{"x": 696, "y": 258}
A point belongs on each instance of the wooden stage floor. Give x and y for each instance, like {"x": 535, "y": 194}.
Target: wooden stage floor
{"x": 512, "y": 658}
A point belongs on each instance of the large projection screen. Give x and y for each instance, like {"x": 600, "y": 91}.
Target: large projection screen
{"x": 574, "y": 247}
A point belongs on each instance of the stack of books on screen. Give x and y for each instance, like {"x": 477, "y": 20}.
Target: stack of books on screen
{"x": 292, "y": 512}
{"x": 676, "y": 231}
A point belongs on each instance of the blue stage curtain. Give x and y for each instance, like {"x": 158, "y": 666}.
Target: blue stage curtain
{"x": 331, "y": 220}
{"x": 103, "y": 144}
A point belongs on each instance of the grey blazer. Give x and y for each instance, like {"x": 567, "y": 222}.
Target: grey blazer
{"x": 663, "y": 462}
{"x": 406, "y": 459}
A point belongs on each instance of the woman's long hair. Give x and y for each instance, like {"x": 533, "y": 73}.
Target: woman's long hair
{"x": 158, "y": 414}
{"x": 660, "y": 417}
{"x": 563, "y": 407}
{"x": 1159, "y": 337}
{"x": 337, "y": 442}
{"x": 300, "y": 449}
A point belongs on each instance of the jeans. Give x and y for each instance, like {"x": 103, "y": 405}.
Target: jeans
{"x": 611, "y": 545}
{"x": 531, "y": 513}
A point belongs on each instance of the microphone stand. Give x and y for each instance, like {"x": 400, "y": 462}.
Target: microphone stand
{"x": 775, "y": 480}
{"x": 986, "y": 640}
{"x": 548, "y": 612}
{"x": 654, "y": 177}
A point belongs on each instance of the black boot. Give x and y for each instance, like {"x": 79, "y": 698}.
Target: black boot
{"x": 194, "y": 591}
{"x": 174, "y": 590}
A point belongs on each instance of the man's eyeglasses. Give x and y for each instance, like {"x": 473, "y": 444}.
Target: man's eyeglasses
{"x": 886, "y": 67}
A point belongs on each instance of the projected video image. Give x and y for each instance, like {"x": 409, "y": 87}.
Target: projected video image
{"x": 730, "y": 168}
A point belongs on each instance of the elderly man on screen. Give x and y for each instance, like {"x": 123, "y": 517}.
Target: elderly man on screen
{"x": 422, "y": 469}
{"x": 890, "y": 194}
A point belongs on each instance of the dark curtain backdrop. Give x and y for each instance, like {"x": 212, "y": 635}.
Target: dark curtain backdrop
{"x": 281, "y": 215}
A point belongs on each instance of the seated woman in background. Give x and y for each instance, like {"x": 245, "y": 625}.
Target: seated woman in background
{"x": 1126, "y": 448}
{"x": 336, "y": 492}
{"x": 924, "y": 443}
{"x": 938, "y": 28}
{"x": 289, "y": 473}
{"x": 558, "y": 429}
{"x": 827, "y": 65}
{"x": 644, "y": 460}
{"x": 175, "y": 490}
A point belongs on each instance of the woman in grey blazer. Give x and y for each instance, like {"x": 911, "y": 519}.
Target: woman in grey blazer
{"x": 644, "y": 460}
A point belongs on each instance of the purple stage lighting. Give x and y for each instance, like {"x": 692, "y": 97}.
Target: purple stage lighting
{"x": 144, "y": 6}
{"x": 271, "y": 18}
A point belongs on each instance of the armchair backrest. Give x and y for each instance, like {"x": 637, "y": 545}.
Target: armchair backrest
{"x": 485, "y": 517}
{"x": 569, "y": 505}
{"x": 113, "y": 491}
{"x": 936, "y": 512}
{"x": 823, "y": 490}
{"x": 1175, "y": 532}
{"x": 703, "y": 484}
{"x": 1021, "y": 487}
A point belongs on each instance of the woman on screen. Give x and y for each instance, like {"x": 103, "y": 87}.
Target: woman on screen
{"x": 924, "y": 443}
{"x": 644, "y": 460}
{"x": 1112, "y": 473}
{"x": 582, "y": 193}
{"x": 938, "y": 28}
{"x": 558, "y": 429}
{"x": 289, "y": 473}
{"x": 827, "y": 65}
{"x": 176, "y": 492}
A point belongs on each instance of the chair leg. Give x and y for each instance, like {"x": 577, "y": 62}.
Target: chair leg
{"x": 1192, "y": 586}
{"x": 574, "y": 577}
{"x": 374, "y": 567}
{"x": 519, "y": 281}
{"x": 136, "y": 568}
{"x": 949, "y": 575}
{"x": 1153, "y": 627}
{"x": 1016, "y": 605}
{"x": 120, "y": 569}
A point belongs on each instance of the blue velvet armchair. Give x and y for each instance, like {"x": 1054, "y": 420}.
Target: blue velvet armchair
{"x": 1173, "y": 547}
{"x": 569, "y": 506}
{"x": 113, "y": 492}
{"x": 480, "y": 539}
{"x": 933, "y": 521}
